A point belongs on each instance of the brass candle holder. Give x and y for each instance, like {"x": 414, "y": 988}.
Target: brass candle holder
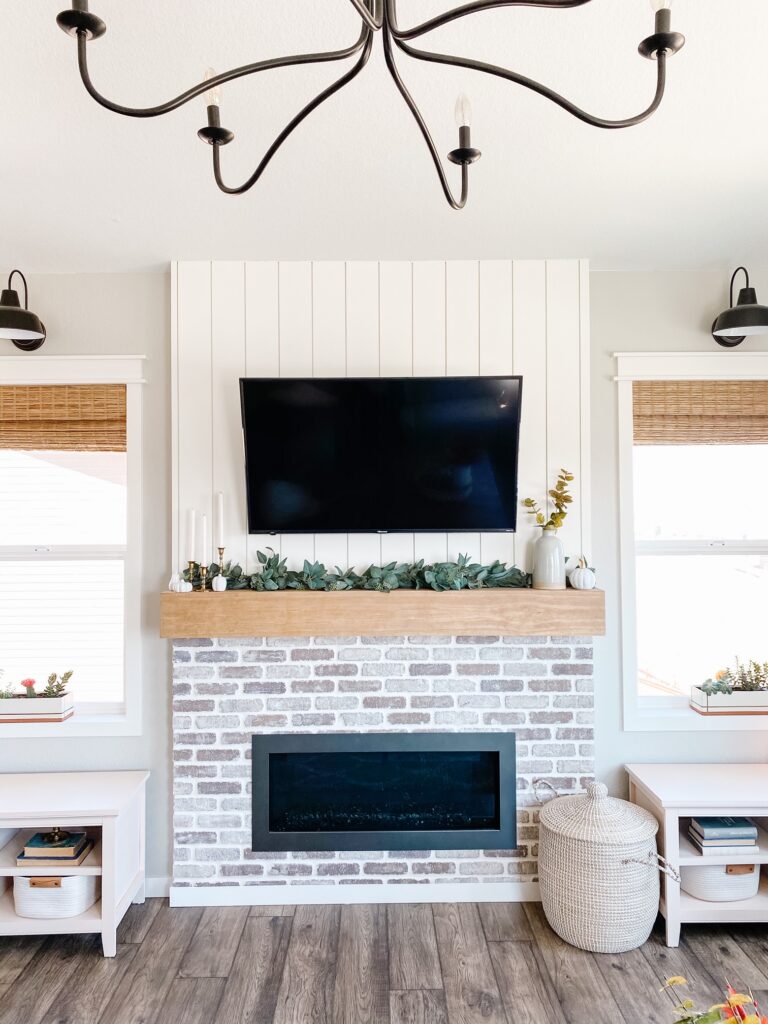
{"x": 203, "y": 577}
{"x": 221, "y": 560}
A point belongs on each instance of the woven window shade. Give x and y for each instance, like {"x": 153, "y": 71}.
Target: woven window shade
{"x": 701, "y": 412}
{"x": 66, "y": 417}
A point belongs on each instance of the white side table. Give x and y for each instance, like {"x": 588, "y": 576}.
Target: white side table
{"x": 674, "y": 793}
{"x": 110, "y": 806}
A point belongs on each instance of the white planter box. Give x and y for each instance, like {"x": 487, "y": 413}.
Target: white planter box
{"x": 740, "y": 702}
{"x": 37, "y": 709}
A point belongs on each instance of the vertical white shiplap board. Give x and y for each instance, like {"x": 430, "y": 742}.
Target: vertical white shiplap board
{"x": 362, "y": 319}
{"x": 563, "y": 387}
{"x": 529, "y": 355}
{"x": 329, "y": 357}
{"x": 462, "y": 355}
{"x": 585, "y": 473}
{"x": 195, "y": 449}
{"x": 429, "y": 361}
{"x": 496, "y": 359}
{"x": 396, "y": 360}
{"x": 363, "y": 549}
{"x": 262, "y": 353}
{"x": 295, "y": 300}
{"x": 227, "y": 367}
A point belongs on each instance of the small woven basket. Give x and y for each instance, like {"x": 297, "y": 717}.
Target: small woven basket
{"x": 72, "y": 895}
{"x": 599, "y": 870}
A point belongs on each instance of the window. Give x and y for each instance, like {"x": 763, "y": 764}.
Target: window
{"x": 694, "y": 488}
{"x": 68, "y": 544}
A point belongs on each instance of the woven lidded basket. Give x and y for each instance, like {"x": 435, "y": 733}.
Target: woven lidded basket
{"x": 599, "y": 870}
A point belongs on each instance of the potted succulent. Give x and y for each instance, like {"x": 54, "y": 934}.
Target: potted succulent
{"x": 54, "y": 703}
{"x": 742, "y": 690}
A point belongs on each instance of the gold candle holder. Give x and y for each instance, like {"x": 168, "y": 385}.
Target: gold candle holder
{"x": 221, "y": 560}
{"x": 203, "y": 577}
{"x": 191, "y": 570}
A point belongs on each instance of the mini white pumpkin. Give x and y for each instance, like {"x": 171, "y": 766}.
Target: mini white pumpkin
{"x": 185, "y": 587}
{"x": 173, "y": 583}
{"x": 582, "y": 577}
{"x": 219, "y": 584}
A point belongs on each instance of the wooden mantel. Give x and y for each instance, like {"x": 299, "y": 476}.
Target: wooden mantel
{"x": 368, "y": 613}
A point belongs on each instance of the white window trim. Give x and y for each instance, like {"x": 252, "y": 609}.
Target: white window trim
{"x": 664, "y": 714}
{"x": 100, "y": 369}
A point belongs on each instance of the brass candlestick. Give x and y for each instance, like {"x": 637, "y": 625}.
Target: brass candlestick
{"x": 191, "y": 570}
{"x": 221, "y": 560}
{"x": 203, "y": 577}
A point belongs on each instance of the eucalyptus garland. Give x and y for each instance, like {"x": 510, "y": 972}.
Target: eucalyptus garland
{"x": 274, "y": 575}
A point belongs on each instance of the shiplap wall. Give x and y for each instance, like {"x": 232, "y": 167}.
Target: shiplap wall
{"x": 361, "y": 319}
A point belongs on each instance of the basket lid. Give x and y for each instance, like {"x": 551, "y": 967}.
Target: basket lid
{"x": 598, "y": 818}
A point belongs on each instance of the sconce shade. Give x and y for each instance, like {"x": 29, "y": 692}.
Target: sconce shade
{"x": 17, "y": 323}
{"x": 745, "y": 318}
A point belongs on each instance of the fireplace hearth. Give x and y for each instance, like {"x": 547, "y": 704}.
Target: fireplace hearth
{"x": 384, "y": 791}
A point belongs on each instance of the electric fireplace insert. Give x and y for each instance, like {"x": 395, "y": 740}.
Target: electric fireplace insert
{"x": 384, "y": 791}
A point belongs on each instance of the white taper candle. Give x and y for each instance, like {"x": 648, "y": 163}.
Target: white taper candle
{"x": 191, "y": 535}
{"x": 204, "y": 559}
{"x": 219, "y": 520}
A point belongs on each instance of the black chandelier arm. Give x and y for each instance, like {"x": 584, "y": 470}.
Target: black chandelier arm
{"x": 543, "y": 90}
{"x": 334, "y": 87}
{"x": 203, "y": 87}
{"x": 373, "y": 21}
{"x": 456, "y": 204}
{"x": 464, "y": 10}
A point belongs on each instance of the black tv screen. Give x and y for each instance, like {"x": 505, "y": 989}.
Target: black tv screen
{"x": 367, "y": 455}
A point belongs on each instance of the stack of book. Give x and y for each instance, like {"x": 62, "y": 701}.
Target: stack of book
{"x": 69, "y": 850}
{"x": 723, "y": 836}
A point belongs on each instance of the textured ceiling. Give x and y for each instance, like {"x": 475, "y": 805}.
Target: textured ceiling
{"x": 84, "y": 189}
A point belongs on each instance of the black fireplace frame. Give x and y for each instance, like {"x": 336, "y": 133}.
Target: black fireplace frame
{"x": 502, "y": 838}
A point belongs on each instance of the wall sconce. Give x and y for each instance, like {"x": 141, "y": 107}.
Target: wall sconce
{"x": 738, "y": 322}
{"x": 17, "y": 324}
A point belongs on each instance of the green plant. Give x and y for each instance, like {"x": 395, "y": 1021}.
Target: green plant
{"x": 751, "y": 677}
{"x": 6, "y": 693}
{"x": 560, "y": 498}
{"x": 274, "y": 575}
{"x": 57, "y": 687}
{"x": 736, "y": 1007}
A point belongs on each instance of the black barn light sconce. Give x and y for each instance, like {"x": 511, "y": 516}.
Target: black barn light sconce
{"x": 742, "y": 320}
{"x": 18, "y": 323}
{"x": 378, "y": 18}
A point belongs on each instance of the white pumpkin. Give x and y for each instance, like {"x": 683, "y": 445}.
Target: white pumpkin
{"x": 185, "y": 587}
{"x": 219, "y": 584}
{"x": 582, "y": 577}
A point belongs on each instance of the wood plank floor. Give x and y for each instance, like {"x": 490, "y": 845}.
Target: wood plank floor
{"x": 452, "y": 963}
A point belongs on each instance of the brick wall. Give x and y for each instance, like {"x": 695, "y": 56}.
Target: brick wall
{"x": 227, "y": 690}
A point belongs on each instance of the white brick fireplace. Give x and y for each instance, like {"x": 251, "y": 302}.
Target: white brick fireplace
{"x": 226, "y": 690}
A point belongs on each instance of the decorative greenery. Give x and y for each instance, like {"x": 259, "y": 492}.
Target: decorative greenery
{"x": 751, "y": 677}
{"x": 736, "y": 1007}
{"x": 560, "y": 498}
{"x": 274, "y": 575}
{"x": 55, "y": 687}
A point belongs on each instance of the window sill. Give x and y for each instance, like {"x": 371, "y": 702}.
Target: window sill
{"x": 93, "y": 725}
{"x": 683, "y": 719}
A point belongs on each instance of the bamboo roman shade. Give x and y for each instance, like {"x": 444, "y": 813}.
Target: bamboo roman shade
{"x": 700, "y": 412}
{"x": 66, "y": 417}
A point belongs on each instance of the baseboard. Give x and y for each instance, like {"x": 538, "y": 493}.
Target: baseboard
{"x": 154, "y": 887}
{"x": 270, "y": 895}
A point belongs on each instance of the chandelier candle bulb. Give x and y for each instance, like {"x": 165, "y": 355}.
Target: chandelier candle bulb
{"x": 463, "y": 111}
{"x": 213, "y": 95}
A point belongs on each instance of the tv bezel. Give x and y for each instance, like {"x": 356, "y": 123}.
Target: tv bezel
{"x": 420, "y": 530}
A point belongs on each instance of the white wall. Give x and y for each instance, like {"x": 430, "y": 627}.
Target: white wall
{"x": 121, "y": 314}
{"x": 642, "y": 312}
{"x": 379, "y": 319}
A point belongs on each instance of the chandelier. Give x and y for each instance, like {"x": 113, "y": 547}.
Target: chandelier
{"x": 377, "y": 17}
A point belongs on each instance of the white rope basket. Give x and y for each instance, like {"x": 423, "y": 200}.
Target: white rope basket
{"x": 72, "y": 895}
{"x": 599, "y": 870}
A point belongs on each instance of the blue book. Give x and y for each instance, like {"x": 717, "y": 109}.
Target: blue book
{"x": 67, "y": 846}
{"x": 724, "y": 828}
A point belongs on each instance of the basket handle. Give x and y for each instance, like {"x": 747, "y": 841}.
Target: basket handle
{"x": 655, "y": 860}
{"x": 547, "y": 785}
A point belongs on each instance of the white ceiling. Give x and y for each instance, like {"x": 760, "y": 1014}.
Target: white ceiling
{"x": 82, "y": 189}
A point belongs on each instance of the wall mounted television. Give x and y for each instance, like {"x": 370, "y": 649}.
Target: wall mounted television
{"x": 381, "y": 455}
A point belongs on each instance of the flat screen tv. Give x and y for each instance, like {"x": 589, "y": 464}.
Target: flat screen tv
{"x": 381, "y": 455}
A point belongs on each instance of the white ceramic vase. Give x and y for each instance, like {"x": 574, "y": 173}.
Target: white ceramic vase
{"x": 548, "y": 562}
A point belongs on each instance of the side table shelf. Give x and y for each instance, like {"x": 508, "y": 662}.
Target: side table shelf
{"x": 676, "y": 793}
{"x": 110, "y": 806}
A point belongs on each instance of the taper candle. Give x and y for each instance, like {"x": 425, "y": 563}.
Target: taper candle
{"x": 191, "y": 535}
{"x": 204, "y": 559}
{"x": 219, "y": 520}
